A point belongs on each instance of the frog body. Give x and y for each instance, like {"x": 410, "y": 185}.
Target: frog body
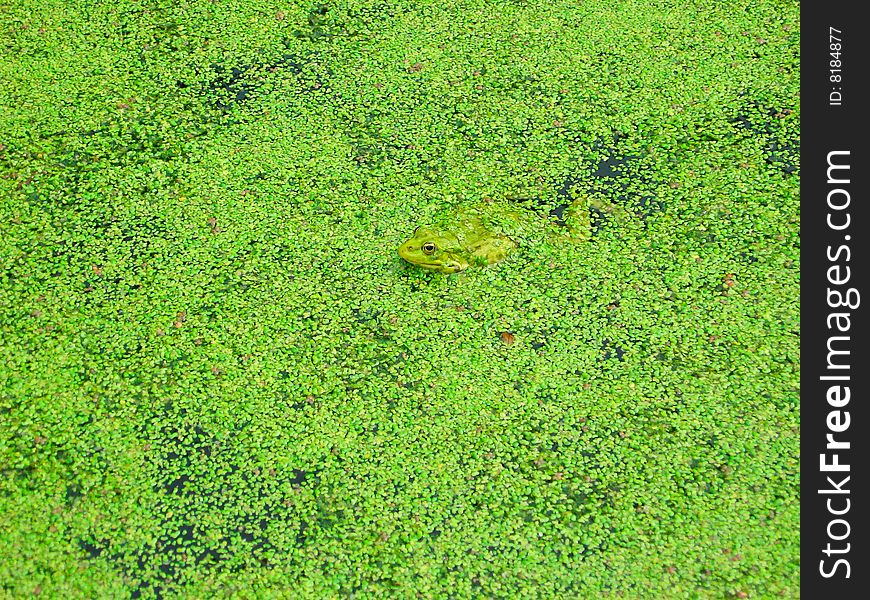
{"x": 483, "y": 236}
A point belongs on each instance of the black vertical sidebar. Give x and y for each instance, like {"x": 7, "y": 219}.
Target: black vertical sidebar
{"x": 834, "y": 301}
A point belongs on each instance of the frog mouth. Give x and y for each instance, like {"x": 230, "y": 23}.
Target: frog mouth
{"x": 444, "y": 268}
{"x": 447, "y": 267}
{"x": 450, "y": 268}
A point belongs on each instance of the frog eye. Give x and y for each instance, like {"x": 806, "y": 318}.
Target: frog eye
{"x": 428, "y": 248}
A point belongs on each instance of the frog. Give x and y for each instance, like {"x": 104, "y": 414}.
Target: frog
{"x": 477, "y": 237}
{"x": 466, "y": 242}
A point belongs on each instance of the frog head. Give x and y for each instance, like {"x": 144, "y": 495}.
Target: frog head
{"x": 434, "y": 249}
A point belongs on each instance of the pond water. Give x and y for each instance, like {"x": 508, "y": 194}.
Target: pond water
{"x": 219, "y": 378}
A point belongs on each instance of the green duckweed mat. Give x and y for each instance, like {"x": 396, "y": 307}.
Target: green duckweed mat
{"x": 218, "y": 379}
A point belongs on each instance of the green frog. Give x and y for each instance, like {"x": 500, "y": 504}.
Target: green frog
{"x": 452, "y": 248}
{"x": 482, "y": 237}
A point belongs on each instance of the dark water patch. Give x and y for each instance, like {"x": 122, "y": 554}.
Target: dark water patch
{"x": 292, "y": 399}
{"x": 616, "y": 178}
{"x": 765, "y": 124}
{"x": 133, "y": 139}
{"x": 197, "y": 475}
{"x": 784, "y": 156}
{"x": 92, "y": 549}
{"x": 538, "y": 337}
{"x": 611, "y": 351}
{"x": 300, "y": 476}
{"x": 226, "y": 88}
{"x": 72, "y": 493}
{"x": 69, "y": 182}
{"x": 367, "y": 315}
{"x": 23, "y": 478}
{"x": 322, "y": 23}
{"x": 372, "y": 149}
{"x": 233, "y": 86}
{"x": 370, "y": 17}
{"x": 141, "y": 235}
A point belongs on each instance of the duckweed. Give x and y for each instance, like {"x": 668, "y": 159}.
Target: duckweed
{"x": 218, "y": 378}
